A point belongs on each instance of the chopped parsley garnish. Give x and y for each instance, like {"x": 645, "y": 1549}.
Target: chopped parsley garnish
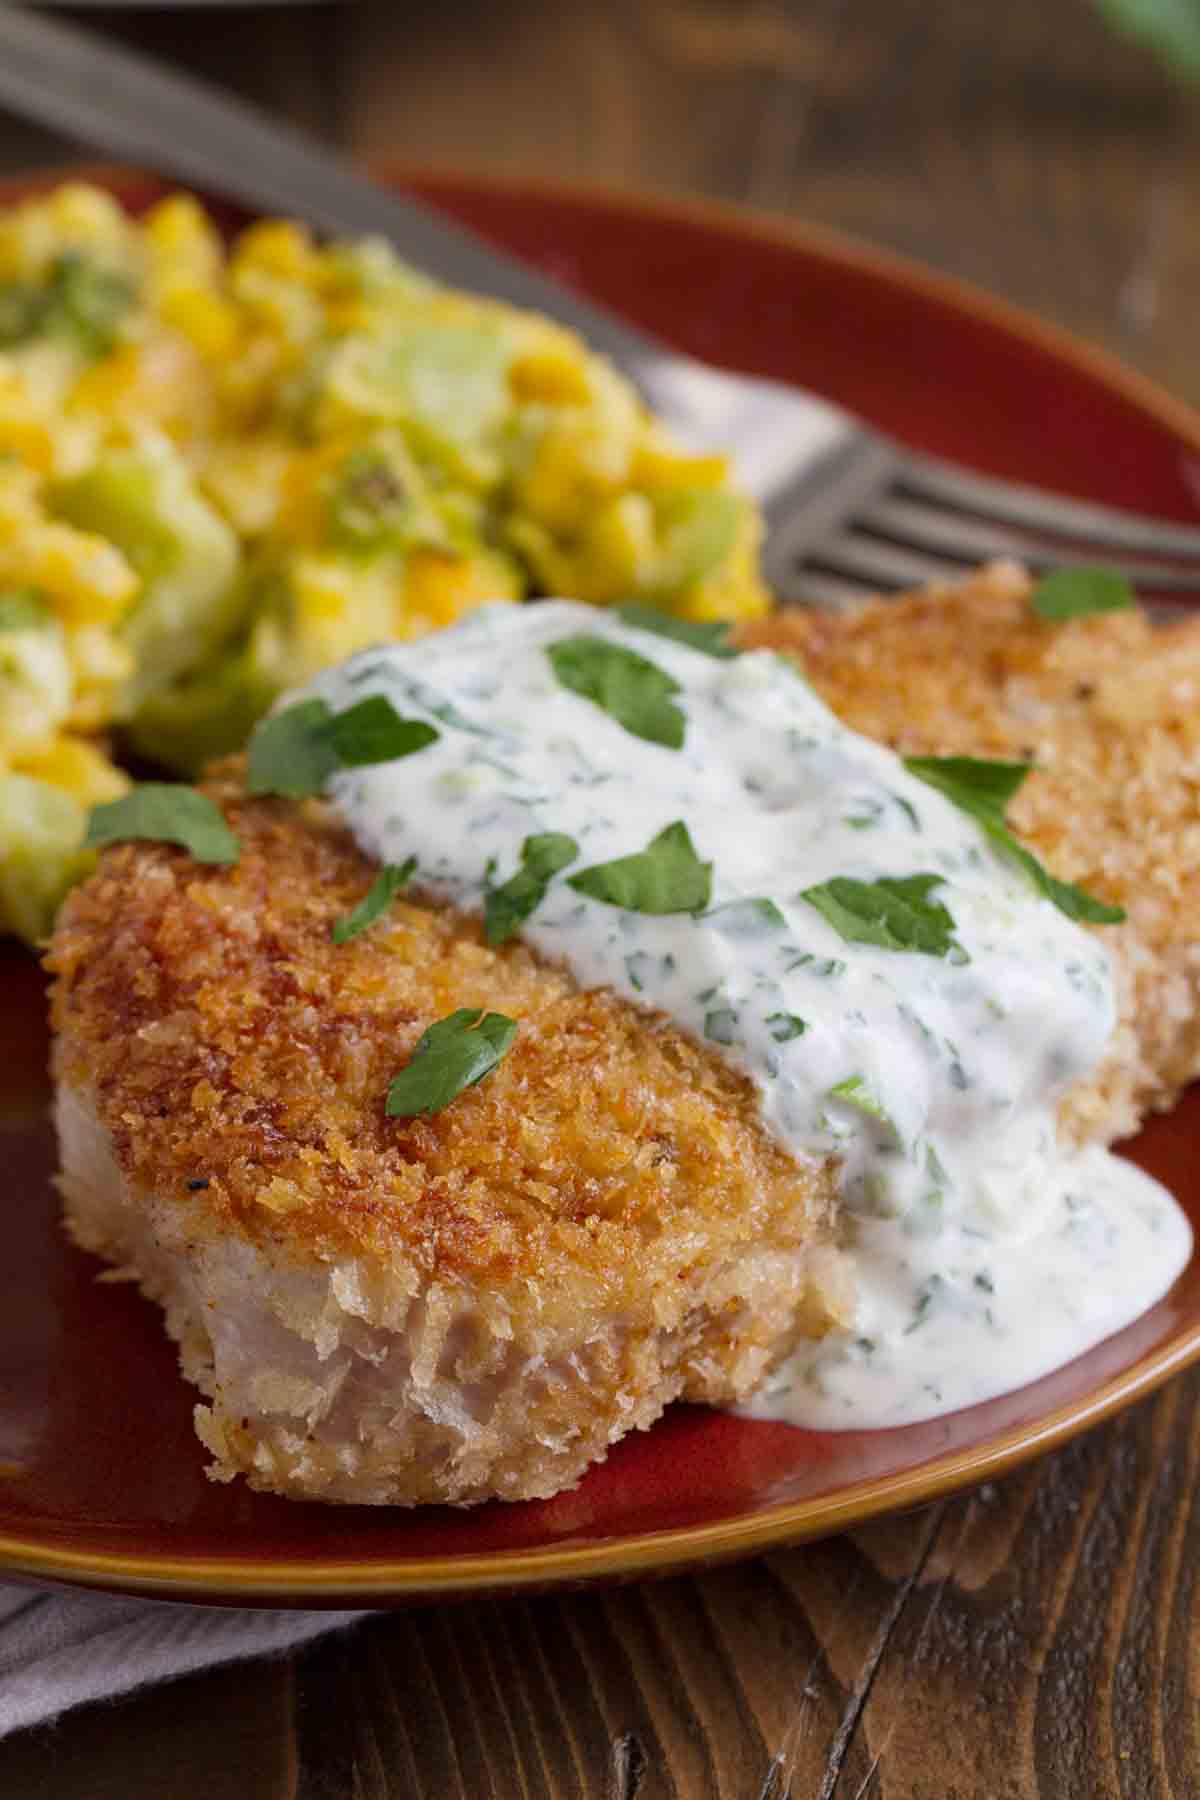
{"x": 983, "y": 789}
{"x": 372, "y": 731}
{"x": 22, "y": 609}
{"x": 542, "y": 858}
{"x": 390, "y": 881}
{"x": 294, "y": 752}
{"x": 894, "y": 913}
{"x": 165, "y": 812}
{"x": 291, "y": 753}
{"x": 450, "y": 1057}
{"x": 630, "y": 688}
{"x": 666, "y": 877}
{"x": 709, "y": 636}
{"x": 1074, "y": 593}
{"x": 785, "y": 1026}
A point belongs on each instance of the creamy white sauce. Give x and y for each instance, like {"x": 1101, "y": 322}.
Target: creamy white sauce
{"x": 984, "y": 1254}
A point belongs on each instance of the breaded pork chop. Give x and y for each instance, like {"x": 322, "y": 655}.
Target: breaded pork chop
{"x": 479, "y": 1303}
{"x": 405, "y": 1310}
{"x": 1107, "y": 708}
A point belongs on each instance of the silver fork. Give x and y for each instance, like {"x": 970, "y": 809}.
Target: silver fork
{"x": 848, "y": 512}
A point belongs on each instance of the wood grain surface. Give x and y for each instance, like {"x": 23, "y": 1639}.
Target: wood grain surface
{"x": 1039, "y": 1637}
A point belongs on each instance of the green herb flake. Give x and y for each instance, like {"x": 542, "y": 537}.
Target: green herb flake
{"x": 630, "y": 688}
{"x": 542, "y": 858}
{"x": 720, "y": 1024}
{"x": 983, "y": 789}
{"x": 745, "y": 918}
{"x": 666, "y": 877}
{"x": 785, "y": 1026}
{"x": 450, "y": 1057}
{"x": 1076, "y": 593}
{"x": 164, "y": 812}
{"x": 711, "y": 637}
{"x": 893, "y": 913}
{"x": 390, "y": 881}
{"x": 635, "y": 968}
{"x": 23, "y": 609}
{"x": 925, "y": 1300}
{"x": 295, "y": 752}
{"x": 860, "y": 1094}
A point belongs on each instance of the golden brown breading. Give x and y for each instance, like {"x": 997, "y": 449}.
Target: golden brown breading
{"x": 1108, "y": 709}
{"x": 481, "y": 1302}
{"x": 607, "y": 1194}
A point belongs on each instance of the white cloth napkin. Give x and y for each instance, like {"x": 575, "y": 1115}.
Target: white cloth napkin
{"x": 59, "y": 1650}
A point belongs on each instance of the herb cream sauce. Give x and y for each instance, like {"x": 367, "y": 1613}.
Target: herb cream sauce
{"x": 983, "y": 1252}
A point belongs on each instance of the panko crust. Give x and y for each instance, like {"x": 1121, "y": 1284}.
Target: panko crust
{"x": 1107, "y": 708}
{"x": 408, "y": 1310}
{"x": 228, "y": 1041}
{"x": 479, "y": 1304}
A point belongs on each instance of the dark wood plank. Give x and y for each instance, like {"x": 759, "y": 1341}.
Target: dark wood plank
{"x": 225, "y": 1735}
{"x": 716, "y": 1686}
{"x": 1051, "y": 1646}
{"x": 1036, "y": 1639}
{"x": 1025, "y": 148}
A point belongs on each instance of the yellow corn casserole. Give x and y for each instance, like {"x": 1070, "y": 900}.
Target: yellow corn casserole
{"x": 223, "y": 467}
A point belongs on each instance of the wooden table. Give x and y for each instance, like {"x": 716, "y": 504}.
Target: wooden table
{"x": 1039, "y": 1637}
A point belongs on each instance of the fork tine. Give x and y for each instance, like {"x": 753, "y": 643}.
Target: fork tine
{"x": 877, "y": 566}
{"x": 831, "y": 490}
{"x": 836, "y": 593}
{"x": 873, "y": 563}
{"x": 921, "y": 526}
{"x": 927, "y": 478}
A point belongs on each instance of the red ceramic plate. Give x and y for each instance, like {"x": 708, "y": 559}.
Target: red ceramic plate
{"x": 101, "y": 1478}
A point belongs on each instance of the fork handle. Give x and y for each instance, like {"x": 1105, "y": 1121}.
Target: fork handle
{"x": 133, "y": 107}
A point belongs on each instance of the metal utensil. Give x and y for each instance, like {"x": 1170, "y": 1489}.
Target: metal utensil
{"x": 848, "y": 512}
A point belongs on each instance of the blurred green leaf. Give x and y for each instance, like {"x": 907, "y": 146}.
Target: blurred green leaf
{"x": 1171, "y": 27}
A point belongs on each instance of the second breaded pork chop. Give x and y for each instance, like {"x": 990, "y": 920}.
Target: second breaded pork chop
{"x": 406, "y": 1310}
{"x": 1107, "y": 708}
